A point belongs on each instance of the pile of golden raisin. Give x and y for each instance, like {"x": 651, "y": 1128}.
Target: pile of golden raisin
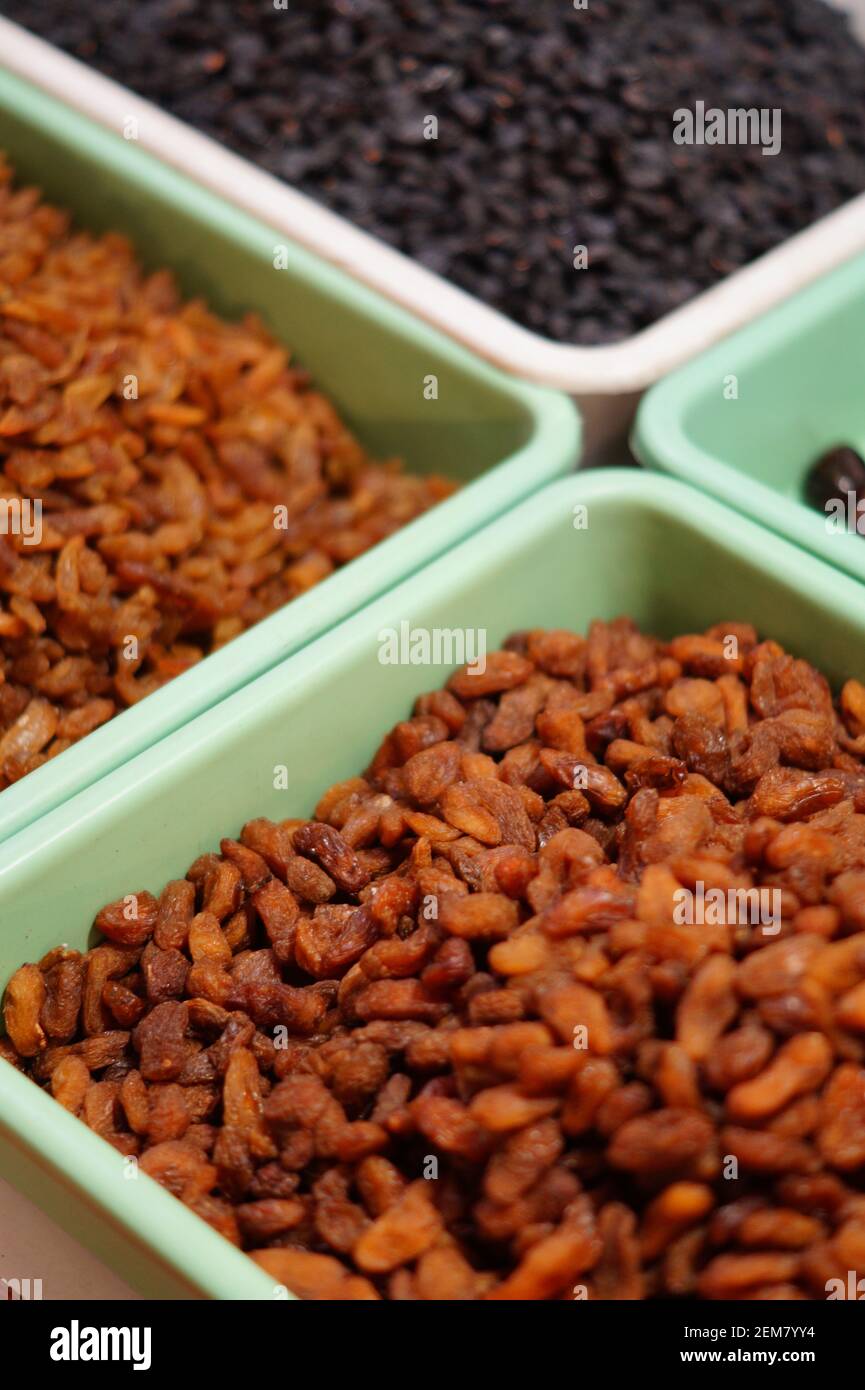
{"x": 191, "y": 481}
{"x": 448, "y": 1039}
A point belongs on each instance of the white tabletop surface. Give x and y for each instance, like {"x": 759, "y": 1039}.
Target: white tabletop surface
{"x": 32, "y": 1247}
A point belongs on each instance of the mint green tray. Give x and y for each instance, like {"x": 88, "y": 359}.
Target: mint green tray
{"x": 499, "y": 437}
{"x": 800, "y": 372}
{"x": 653, "y": 548}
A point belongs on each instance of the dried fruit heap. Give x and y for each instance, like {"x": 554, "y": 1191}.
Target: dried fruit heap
{"x": 553, "y": 129}
{"x": 191, "y": 481}
{"x": 287, "y": 1036}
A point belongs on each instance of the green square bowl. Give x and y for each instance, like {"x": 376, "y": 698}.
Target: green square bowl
{"x": 499, "y": 438}
{"x": 653, "y": 548}
{"x": 746, "y": 420}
